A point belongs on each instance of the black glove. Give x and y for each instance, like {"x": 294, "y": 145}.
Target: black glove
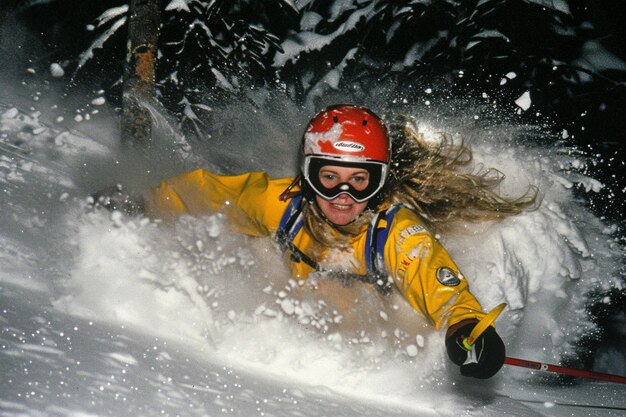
{"x": 486, "y": 357}
{"x": 115, "y": 198}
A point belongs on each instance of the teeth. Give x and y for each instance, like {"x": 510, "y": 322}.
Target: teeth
{"x": 341, "y": 206}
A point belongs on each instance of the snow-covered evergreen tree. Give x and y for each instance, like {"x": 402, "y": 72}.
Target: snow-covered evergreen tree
{"x": 207, "y": 51}
{"x": 210, "y": 50}
{"x": 547, "y": 45}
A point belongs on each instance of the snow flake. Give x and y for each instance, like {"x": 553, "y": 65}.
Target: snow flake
{"x": 411, "y": 350}
{"x": 287, "y": 306}
{"x": 524, "y": 101}
{"x": 99, "y": 101}
{"x": 56, "y": 70}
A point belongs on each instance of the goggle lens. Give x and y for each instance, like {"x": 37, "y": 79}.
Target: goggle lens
{"x": 358, "y": 191}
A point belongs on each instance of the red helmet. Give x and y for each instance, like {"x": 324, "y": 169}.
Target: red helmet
{"x": 349, "y": 133}
{"x": 346, "y": 135}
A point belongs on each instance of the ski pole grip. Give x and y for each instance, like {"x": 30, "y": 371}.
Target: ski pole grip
{"x": 482, "y": 325}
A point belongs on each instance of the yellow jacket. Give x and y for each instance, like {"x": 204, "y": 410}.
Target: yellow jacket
{"x": 419, "y": 265}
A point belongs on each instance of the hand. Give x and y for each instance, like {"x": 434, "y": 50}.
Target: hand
{"x": 114, "y": 198}
{"x": 485, "y": 358}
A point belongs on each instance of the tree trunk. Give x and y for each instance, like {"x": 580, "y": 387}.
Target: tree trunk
{"x": 139, "y": 71}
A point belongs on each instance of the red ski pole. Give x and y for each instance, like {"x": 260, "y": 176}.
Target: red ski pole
{"x": 539, "y": 366}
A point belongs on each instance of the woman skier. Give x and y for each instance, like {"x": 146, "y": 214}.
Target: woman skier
{"x": 362, "y": 210}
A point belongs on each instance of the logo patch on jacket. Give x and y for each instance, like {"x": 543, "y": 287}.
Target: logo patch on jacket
{"x": 410, "y": 231}
{"x": 447, "y": 277}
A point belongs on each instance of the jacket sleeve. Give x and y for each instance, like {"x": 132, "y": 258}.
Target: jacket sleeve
{"x": 250, "y": 201}
{"x": 424, "y": 272}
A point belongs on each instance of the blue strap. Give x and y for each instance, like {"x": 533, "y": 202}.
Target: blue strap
{"x": 370, "y": 251}
{"x": 292, "y": 221}
{"x": 289, "y": 226}
{"x": 376, "y": 238}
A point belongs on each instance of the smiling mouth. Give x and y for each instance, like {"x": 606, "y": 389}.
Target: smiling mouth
{"x": 341, "y": 206}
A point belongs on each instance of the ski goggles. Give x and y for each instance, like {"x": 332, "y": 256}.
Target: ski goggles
{"x": 376, "y": 179}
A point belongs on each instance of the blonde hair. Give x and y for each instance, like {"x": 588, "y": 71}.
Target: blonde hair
{"x": 433, "y": 180}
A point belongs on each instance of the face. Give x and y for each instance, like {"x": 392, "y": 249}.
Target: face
{"x": 342, "y": 209}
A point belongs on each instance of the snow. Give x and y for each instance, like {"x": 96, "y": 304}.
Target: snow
{"x": 313, "y": 141}
{"x": 56, "y": 70}
{"x": 595, "y": 57}
{"x": 107, "y": 315}
{"x": 509, "y": 76}
{"x": 418, "y": 50}
{"x": 178, "y": 5}
{"x": 306, "y": 41}
{"x": 558, "y": 5}
{"x": 88, "y": 54}
{"x": 524, "y": 101}
{"x": 331, "y": 79}
{"x": 309, "y": 21}
{"x": 222, "y": 80}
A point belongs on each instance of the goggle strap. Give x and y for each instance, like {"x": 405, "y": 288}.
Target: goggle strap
{"x": 288, "y": 194}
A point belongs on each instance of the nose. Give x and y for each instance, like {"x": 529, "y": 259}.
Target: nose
{"x": 344, "y": 198}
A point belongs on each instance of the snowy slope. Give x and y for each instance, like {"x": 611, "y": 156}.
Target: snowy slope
{"x": 105, "y": 315}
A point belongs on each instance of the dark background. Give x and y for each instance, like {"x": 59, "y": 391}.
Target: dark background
{"x": 541, "y": 45}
